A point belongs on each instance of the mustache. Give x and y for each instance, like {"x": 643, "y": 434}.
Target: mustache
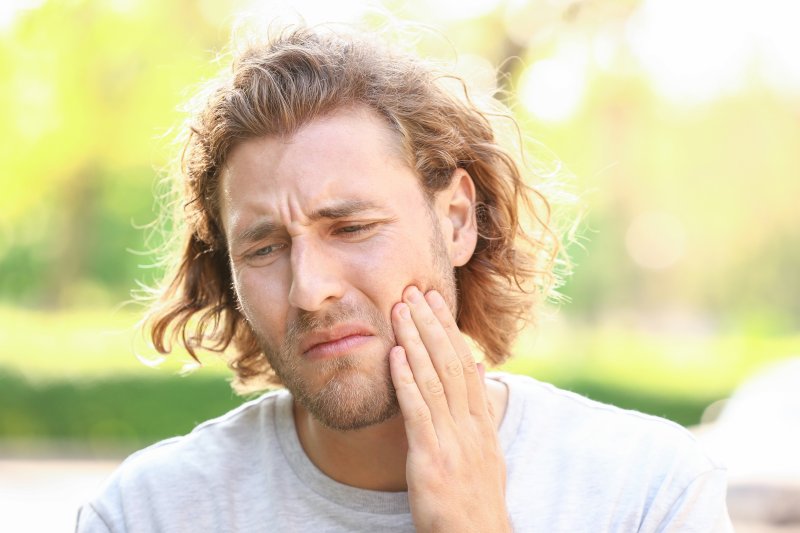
{"x": 307, "y": 321}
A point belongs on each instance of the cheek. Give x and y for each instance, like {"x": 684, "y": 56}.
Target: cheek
{"x": 262, "y": 298}
{"x": 385, "y": 273}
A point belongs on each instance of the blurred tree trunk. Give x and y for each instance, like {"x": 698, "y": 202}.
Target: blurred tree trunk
{"x": 80, "y": 198}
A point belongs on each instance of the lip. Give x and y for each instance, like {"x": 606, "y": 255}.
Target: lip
{"x": 335, "y": 341}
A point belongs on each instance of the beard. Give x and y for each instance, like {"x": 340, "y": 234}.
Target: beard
{"x": 341, "y": 394}
{"x": 352, "y": 391}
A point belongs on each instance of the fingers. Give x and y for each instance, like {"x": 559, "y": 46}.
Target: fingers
{"x": 452, "y": 443}
{"x": 473, "y": 375}
{"x": 416, "y": 414}
{"x": 446, "y": 373}
{"x": 427, "y": 380}
{"x": 439, "y": 351}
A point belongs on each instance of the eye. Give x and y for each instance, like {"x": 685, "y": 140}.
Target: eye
{"x": 266, "y": 251}
{"x": 355, "y": 229}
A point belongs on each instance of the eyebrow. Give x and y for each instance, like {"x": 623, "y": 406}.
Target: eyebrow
{"x": 343, "y": 209}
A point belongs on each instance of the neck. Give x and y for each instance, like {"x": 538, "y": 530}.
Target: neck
{"x": 374, "y": 457}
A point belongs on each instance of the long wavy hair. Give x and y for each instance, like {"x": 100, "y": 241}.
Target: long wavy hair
{"x": 299, "y": 75}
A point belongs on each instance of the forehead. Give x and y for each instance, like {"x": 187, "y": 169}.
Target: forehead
{"x": 350, "y": 154}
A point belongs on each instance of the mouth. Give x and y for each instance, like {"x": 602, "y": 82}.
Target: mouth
{"x": 335, "y": 342}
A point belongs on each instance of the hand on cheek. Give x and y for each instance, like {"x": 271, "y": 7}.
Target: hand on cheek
{"x": 455, "y": 469}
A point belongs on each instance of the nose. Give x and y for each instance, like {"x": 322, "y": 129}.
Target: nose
{"x": 316, "y": 279}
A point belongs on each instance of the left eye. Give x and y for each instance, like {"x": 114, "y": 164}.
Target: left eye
{"x": 354, "y": 229}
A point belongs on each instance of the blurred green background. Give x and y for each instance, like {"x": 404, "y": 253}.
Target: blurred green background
{"x": 678, "y": 124}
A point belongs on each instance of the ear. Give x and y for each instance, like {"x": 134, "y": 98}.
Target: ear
{"x": 455, "y": 206}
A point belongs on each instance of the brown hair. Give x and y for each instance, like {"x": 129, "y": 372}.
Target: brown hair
{"x": 295, "y": 77}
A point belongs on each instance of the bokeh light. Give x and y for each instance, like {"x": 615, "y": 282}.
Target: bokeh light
{"x": 656, "y": 240}
{"x": 552, "y": 89}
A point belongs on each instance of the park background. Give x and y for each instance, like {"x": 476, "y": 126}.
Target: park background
{"x": 673, "y": 128}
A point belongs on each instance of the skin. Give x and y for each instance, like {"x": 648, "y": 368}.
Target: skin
{"x": 343, "y": 270}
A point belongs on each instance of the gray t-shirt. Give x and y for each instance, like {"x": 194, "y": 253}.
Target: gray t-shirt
{"x": 573, "y": 465}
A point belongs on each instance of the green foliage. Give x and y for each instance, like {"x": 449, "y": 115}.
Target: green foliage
{"x": 74, "y": 376}
{"x": 122, "y": 413}
{"x": 91, "y": 108}
{"x": 128, "y": 412}
{"x": 89, "y": 105}
{"x": 91, "y": 92}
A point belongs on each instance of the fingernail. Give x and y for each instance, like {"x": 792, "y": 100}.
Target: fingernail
{"x": 435, "y": 299}
{"x": 481, "y": 370}
{"x": 398, "y": 353}
{"x": 413, "y": 294}
{"x": 403, "y": 310}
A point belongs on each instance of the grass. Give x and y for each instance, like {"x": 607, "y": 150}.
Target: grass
{"x": 76, "y": 376}
{"x": 83, "y": 344}
{"x": 665, "y": 364}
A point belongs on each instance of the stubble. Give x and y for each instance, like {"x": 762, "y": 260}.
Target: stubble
{"x": 352, "y": 396}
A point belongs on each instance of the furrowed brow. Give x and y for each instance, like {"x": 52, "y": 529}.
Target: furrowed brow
{"x": 258, "y": 231}
{"x": 343, "y": 209}
{"x": 265, "y": 228}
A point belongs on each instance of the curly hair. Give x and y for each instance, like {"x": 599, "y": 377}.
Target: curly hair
{"x": 302, "y": 74}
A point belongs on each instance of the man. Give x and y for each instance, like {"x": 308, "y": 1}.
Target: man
{"x": 348, "y": 221}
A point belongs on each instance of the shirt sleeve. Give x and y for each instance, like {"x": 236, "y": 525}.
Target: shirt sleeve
{"x": 700, "y": 508}
{"x": 89, "y": 521}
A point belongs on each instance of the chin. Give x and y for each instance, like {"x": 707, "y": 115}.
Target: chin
{"x": 351, "y": 398}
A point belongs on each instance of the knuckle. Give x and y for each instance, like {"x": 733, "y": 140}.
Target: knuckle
{"x": 434, "y": 386}
{"x": 429, "y": 320}
{"x": 415, "y": 340}
{"x": 453, "y": 367}
{"x": 468, "y": 363}
{"x": 451, "y": 462}
{"x": 407, "y": 380}
{"x": 422, "y": 414}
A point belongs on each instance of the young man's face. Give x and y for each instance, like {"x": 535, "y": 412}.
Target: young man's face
{"x": 325, "y": 229}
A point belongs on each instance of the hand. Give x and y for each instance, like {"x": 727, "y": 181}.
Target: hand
{"x": 455, "y": 469}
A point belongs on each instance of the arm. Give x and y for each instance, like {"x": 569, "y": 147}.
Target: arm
{"x": 700, "y": 507}
{"x": 89, "y": 521}
{"x": 455, "y": 469}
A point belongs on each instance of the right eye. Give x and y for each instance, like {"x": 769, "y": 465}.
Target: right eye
{"x": 266, "y": 250}
{"x": 265, "y": 253}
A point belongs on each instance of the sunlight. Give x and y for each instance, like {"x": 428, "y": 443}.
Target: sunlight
{"x": 552, "y": 89}
{"x": 311, "y": 11}
{"x": 778, "y": 44}
{"x": 252, "y": 16}
{"x": 606, "y": 46}
{"x": 11, "y": 9}
{"x": 478, "y": 72}
{"x": 696, "y": 51}
{"x": 462, "y": 9}
{"x": 693, "y": 51}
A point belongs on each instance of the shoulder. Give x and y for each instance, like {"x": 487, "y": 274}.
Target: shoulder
{"x": 614, "y": 453}
{"x": 569, "y": 419}
{"x": 221, "y": 435}
{"x": 190, "y": 466}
